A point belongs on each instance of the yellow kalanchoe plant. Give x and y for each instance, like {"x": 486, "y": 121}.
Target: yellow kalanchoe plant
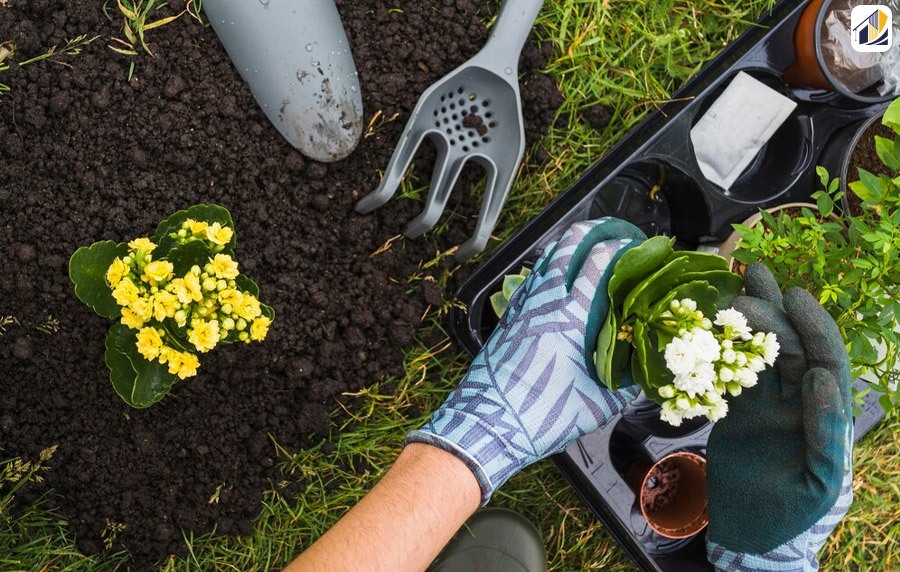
{"x": 174, "y": 295}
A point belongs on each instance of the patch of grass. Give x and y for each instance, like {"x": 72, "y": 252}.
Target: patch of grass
{"x": 7, "y": 49}
{"x": 867, "y": 537}
{"x": 54, "y": 54}
{"x": 138, "y": 18}
{"x": 37, "y": 538}
{"x": 629, "y": 56}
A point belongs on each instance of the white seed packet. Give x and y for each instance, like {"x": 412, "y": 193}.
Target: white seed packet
{"x": 736, "y": 126}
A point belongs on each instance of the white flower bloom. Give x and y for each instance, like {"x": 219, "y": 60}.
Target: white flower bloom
{"x": 756, "y": 363}
{"x": 680, "y": 355}
{"x": 670, "y": 414}
{"x": 667, "y": 391}
{"x": 729, "y": 356}
{"x": 698, "y": 381}
{"x": 735, "y": 324}
{"x": 705, "y": 345}
{"x": 695, "y": 411}
{"x": 717, "y": 410}
{"x": 770, "y": 348}
{"x": 746, "y": 377}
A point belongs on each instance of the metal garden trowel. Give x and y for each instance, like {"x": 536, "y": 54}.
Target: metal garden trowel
{"x": 296, "y": 59}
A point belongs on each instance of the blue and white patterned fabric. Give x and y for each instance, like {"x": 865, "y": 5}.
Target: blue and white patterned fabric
{"x": 531, "y": 389}
{"x": 800, "y": 554}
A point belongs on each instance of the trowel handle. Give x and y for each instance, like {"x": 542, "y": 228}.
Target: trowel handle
{"x": 514, "y": 22}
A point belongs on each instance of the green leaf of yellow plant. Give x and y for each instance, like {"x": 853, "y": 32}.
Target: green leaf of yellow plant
{"x": 184, "y": 256}
{"x": 140, "y": 383}
{"x": 208, "y": 213}
{"x": 87, "y": 270}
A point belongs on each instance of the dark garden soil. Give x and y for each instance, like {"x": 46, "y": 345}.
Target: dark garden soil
{"x": 865, "y": 157}
{"x": 86, "y": 155}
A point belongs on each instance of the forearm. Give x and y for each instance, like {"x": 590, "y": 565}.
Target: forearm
{"x": 404, "y": 522}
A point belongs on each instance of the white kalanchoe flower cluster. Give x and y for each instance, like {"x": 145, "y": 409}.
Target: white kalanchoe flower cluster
{"x": 708, "y": 362}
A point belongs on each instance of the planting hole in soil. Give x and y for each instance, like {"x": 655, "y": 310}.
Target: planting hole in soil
{"x": 90, "y": 155}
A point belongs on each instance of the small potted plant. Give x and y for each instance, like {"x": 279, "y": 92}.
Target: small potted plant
{"x": 669, "y": 327}
{"x": 866, "y": 145}
{"x": 851, "y": 262}
{"x": 172, "y": 297}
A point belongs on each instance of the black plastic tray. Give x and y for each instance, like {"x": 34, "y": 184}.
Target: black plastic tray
{"x": 659, "y": 152}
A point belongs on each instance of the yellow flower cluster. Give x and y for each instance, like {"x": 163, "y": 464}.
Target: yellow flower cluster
{"x": 205, "y": 304}
{"x": 216, "y": 234}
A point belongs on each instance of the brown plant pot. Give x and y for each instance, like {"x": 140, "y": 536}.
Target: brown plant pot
{"x": 673, "y": 495}
{"x": 806, "y": 71}
{"x": 810, "y": 69}
{"x": 860, "y": 152}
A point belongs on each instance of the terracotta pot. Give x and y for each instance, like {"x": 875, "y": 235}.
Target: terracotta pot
{"x": 729, "y": 245}
{"x": 673, "y": 495}
{"x": 809, "y": 68}
{"x": 806, "y": 72}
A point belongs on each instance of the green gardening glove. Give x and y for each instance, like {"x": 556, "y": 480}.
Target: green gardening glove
{"x": 779, "y": 475}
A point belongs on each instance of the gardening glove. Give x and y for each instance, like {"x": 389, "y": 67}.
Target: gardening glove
{"x": 532, "y": 389}
{"x": 779, "y": 474}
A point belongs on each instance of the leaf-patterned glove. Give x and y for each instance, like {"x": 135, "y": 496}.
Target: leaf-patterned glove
{"x": 533, "y": 387}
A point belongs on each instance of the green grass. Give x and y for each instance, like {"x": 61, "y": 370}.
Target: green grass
{"x": 138, "y": 18}
{"x": 629, "y": 56}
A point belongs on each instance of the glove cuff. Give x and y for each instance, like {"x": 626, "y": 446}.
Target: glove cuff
{"x": 484, "y": 481}
{"x": 799, "y": 554}
{"x": 474, "y": 442}
{"x": 792, "y": 556}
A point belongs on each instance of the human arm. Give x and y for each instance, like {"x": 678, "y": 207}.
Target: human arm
{"x": 527, "y": 394}
{"x": 405, "y": 520}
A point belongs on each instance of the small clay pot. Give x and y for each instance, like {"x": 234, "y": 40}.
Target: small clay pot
{"x": 810, "y": 68}
{"x": 806, "y": 72}
{"x": 673, "y": 495}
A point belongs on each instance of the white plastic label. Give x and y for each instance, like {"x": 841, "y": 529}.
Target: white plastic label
{"x": 736, "y": 126}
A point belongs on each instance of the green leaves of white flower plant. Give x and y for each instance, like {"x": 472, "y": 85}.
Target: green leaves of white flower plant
{"x": 511, "y": 283}
{"x": 659, "y": 329}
